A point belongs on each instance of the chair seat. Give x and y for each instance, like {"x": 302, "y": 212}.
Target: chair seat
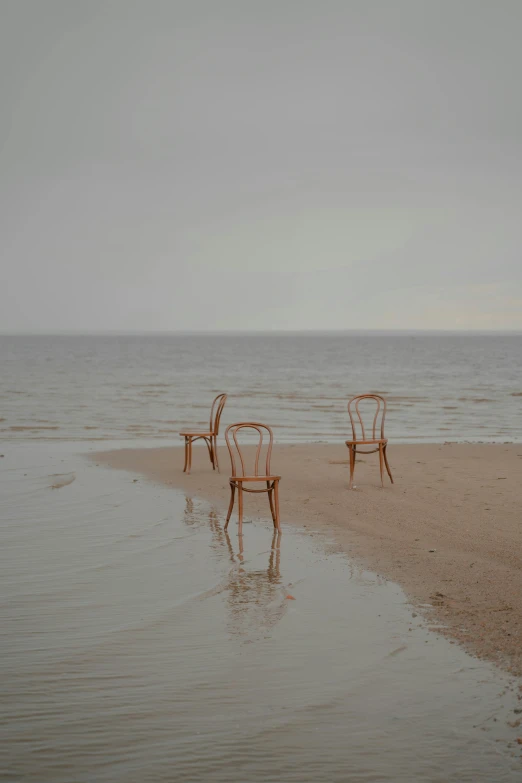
{"x": 255, "y": 478}
{"x": 366, "y": 442}
{"x": 207, "y": 434}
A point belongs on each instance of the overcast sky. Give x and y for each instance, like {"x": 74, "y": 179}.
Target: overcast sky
{"x": 260, "y": 164}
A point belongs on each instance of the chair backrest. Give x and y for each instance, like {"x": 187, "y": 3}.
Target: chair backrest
{"x": 216, "y": 411}
{"x": 234, "y": 449}
{"x": 376, "y": 428}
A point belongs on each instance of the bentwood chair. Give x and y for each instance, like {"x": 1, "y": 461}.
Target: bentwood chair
{"x": 372, "y": 437}
{"x": 210, "y": 436}
{"x": 240, "y": 475}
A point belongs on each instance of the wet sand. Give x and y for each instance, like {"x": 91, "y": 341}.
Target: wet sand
{"x": 449, "y": 531}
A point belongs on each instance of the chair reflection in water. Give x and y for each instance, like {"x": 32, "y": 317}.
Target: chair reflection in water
{"x": 274, "y": 563}
{"x": 254, "y": 593}
{"x": 374, "y": 436}
{"x": 256, "y": 597}
{"x": 241, "y": 476}
{"x": 209, "y": 436}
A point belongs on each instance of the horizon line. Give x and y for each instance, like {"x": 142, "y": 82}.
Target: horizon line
{"x": 217, "y": 332}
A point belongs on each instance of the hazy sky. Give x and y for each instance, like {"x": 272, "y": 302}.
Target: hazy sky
{"x": 252, "y": 164}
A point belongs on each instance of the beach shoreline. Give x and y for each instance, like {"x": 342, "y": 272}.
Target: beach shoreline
{"x": 449, "y": 531}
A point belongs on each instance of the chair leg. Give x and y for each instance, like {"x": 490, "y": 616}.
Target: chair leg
{"x": 240, "y": 503}
{"x": 269, "y": 492}
{"x": 351, "y": 449}
{"x": 231, "y": 504}
{"x": 381, "y": 463}
{"x": 387, "y": 466}
{"x": 216, "y": 454}
{"x": 276, "y": 499}
{"x": 186, "y": 455}
{"x": 208, "y": 444}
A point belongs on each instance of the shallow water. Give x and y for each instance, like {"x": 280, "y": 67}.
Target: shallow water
{"x": 141, "y": 643}
{"x": 439, "y": 387}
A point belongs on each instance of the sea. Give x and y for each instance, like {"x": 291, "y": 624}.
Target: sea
{"x": 438, "y": 386}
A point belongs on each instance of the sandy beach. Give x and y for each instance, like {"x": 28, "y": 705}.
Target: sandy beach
{"x": 448, "y": 531}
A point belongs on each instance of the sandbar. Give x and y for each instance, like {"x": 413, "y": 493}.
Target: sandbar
{"x": 449, "y": 530}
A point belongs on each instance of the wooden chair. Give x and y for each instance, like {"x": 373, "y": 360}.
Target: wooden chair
{"x": 209, "y": 437}
{"x": 380, "y": 443}
{"x": 241, "y": 476}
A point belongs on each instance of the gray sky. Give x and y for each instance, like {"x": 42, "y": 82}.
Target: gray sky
{"x": 260, "y": 164}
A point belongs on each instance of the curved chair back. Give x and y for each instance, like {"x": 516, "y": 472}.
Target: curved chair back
{"x": 234, "y": 449}
{"x": 376, "y": 428}
{"x": 216, "y": 411}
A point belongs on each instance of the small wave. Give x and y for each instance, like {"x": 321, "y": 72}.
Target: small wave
{"x": 32, "y": 428}
{"x": 150, "y": 385}
{"x": 406, "y": 398}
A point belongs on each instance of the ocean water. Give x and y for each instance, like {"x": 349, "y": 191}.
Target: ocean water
{"x": 148, "y": 387}
{"x": 140, "y": 642}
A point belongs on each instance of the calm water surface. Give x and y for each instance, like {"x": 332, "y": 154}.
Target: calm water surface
{"x": 141, "y": 643}
{"x": 440, "y": 387}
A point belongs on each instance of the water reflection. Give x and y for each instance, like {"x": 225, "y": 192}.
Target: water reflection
{"x": 256, "y": 598}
